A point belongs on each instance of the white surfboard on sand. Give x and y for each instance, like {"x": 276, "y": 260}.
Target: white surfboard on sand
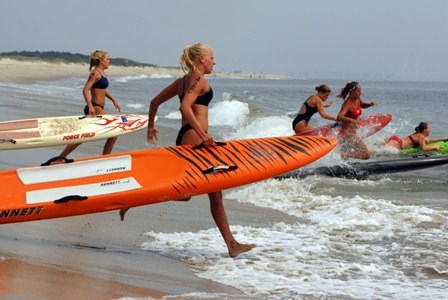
{"x": 55, "y": 131}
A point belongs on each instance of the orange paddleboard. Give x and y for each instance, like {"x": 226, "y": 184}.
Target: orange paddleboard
{"x": 144, "y": 177}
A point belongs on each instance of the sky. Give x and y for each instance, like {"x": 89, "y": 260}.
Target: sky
{"x": 307, "y": 39}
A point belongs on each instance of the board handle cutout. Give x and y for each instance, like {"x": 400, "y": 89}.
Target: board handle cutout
{"x": 214, "y": 169}
{"x": 8, "y": 141}
{"x": 202, "y": 145}
{"x": 56, "y": 158}
{"x": 70, "y": 198}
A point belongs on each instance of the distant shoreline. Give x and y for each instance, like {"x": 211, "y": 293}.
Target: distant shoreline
{"x": 27, "y": 72}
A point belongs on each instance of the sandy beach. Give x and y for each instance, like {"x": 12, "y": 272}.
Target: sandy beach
{"x": 97, "y": 256}
{"x": 31, "y": 71}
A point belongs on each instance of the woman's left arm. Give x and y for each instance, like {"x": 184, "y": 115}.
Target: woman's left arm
{"x": 443, "y": 139}
{"x": 425, "y": 147}
{"x": 366, "y": 105}
{"x": 328, "y": 104}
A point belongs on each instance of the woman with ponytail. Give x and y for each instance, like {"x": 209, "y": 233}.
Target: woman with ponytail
{"x": 95, "y": 94}
{"x": 195, "y": 94}
{"x": 350, "y": 144}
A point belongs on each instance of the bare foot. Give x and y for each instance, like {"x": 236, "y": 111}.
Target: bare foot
{"x": 123, "y": 212}
{"x": 236, "y": 248}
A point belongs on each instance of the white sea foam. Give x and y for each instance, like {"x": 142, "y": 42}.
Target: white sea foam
{"x": 124, "y": 79}
{"x": 160, "y": 76}
{"x": 232, "y": 113}
{"x": 174, "y": 115}
{"x": 228, "y": 113}
{"x": 263, "y": 127}
{"x": 235, "y": 114}
{"x": 352, "y": 239}
{"x": 347, "y": 247}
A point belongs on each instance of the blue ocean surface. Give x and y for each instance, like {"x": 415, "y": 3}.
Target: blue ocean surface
{"x": 380, "y": 238}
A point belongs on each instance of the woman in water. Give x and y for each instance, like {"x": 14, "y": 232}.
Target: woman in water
{"x": 95, "y": 94}
{"x": 195, "y": 94}
{"x": 419, "y": 139}
{"x": 351, "y": 145}
{"x": 312, "y": 105}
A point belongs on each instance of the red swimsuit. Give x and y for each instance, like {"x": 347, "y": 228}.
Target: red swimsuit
{"x": 396, "y": 139}
{"x": 354, "y": 113}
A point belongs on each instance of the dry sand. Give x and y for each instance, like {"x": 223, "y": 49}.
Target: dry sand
{"x": 97, "y": 256}
{"x": 31, "y": 71}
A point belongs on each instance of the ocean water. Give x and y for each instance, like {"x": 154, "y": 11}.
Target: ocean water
{"x": 381, "y": 238}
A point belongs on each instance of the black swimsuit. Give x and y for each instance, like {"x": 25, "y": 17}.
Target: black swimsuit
{"x": 201, "y": 100}
{"x": 102, "y": 84}
{"x": 181, "y": 133}
{"x": 86, "y": 108}
{"x": 309, "y": 112}
{"x": 415, "y": 144}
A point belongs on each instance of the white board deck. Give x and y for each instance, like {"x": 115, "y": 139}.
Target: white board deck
{"x": 75, "y": 170}
{"x": 94, "y": 189}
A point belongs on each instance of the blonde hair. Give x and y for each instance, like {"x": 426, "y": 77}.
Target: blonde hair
{"x": 191, "y": 54}
{"x": 96, "y": 57}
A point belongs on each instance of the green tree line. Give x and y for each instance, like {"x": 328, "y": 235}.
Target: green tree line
{"x": 66, "y": 57}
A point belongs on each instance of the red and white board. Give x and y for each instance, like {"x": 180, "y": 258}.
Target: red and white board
{"x": 367, "y": 126}
{"x": 56, "y": 131}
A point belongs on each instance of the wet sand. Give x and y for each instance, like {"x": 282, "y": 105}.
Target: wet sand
{"x": 97, "y": 256}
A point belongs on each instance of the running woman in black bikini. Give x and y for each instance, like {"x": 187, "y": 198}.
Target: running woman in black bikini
{"x": 95, "y": 94}
{"x": 195, "y": 94}
{"x": 312, "y": 105}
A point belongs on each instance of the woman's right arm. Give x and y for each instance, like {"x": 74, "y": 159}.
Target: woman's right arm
{"x": 320, "y": 108}
{"x": 165, "y": 95}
